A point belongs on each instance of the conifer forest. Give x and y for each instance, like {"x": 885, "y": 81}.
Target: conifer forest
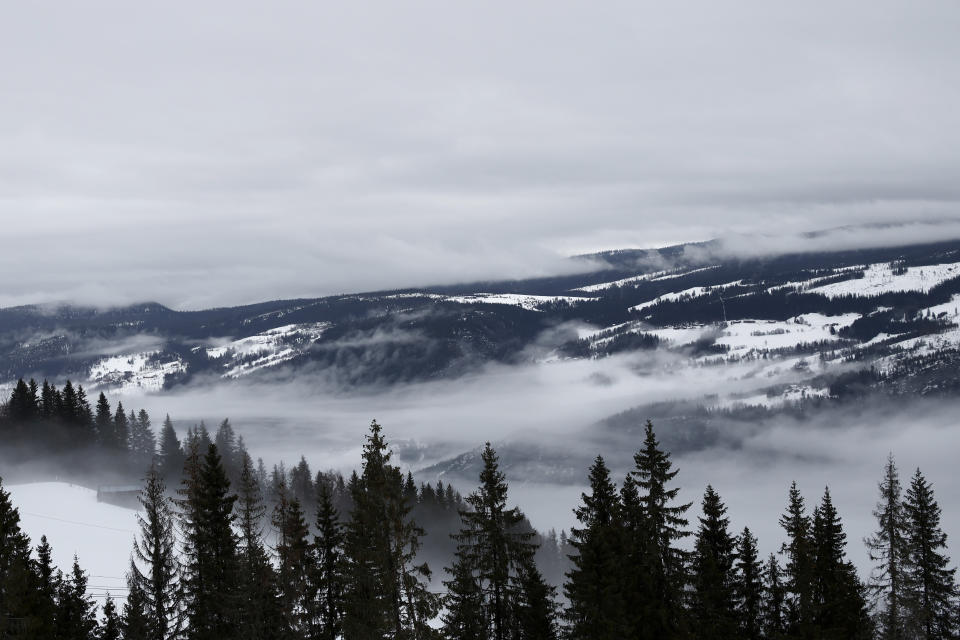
{"x": 227, "y": 549}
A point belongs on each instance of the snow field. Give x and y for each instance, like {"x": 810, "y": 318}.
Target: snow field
{"x": 528, "y": 302}
{"x": 101, "y": 535}
{"x": 879, "y": 278}
{"x": 133, "y": 373}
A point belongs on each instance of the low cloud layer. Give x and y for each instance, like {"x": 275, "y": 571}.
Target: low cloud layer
{"x": 557, "y": 406}
{"x": 226, "y": 153}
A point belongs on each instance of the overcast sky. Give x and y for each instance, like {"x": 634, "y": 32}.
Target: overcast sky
{"x": 226, "y": 152}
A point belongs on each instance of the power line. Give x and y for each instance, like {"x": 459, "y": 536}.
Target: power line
{"x": 83, "y": 524}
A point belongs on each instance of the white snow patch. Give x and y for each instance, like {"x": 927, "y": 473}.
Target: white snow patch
{"x": 692, "y": 292}
{"x": 528, "y": 302}
{"x": 401, "y": 296}
{"x": 680, "y": 274}
{"x": 133, "y": 373}
{"x": 101, "y": 535}
{"x": 949, "y": 310}
{"x": 793, "y": 393}
{"x": 879, "y": 278}
{"x": 268, "y": 348}
{"x": 619, "y": 283}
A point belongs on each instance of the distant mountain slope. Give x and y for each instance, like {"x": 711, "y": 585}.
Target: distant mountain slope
{"x": 812, "y": 314}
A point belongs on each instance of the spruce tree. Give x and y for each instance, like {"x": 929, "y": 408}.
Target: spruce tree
{"x": 76, "y": 612}
{"x": 15, "y": 569}
{"x": 798, "y": 573}
{"x": 49, "y": 401}
{"x": 496, "y": 546}
{"x": 110, "y": 628}
{"x": 327, "y": 577}
{"x": 840, "y": 610}
{"x": 210, "y": 562}
{"x": 774, "y": 603}
{"x": 659, "y": 525}
{"x": 121, "y": 429}
{"x": 226, "y": 441}
{"x": 259, "y": 608}
{"x": 103, "y": 422}
{"x": 135, "y": 623}
{"x": 465, "y": 617}
{"x": 888, "y": 549}
{"x": 46, "y": 588}
{"x": 748, "y": 587}
{"x": 595, "y": 585}
{"x": 154, "y": 548}
{"x": 172, "y": 456}
{"x": 713, "y": 572}
{"x": 929, "y": 580}
{"x": 22, "y": 406}
{"x": 387, "y": 594}
{"x": 293, "y": 561}
{"x": 70, "y": 411}
{"x": 536, "y": 614}
{"x": 143, "y": 444}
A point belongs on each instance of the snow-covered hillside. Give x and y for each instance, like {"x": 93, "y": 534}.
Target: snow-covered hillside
{"x": 100, "y": 535}
{"x": 143, "y": 372}
{"x": 266, "y": 349}
{"x": 528, "y": 302}
{"x": 882, "y": 278}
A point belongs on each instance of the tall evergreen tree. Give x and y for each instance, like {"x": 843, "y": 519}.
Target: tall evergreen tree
{"x": 929, "y": 580}
{"x": 774, "y": 603}
{"x": 155, "y": 549}
{"x": 465, "y": 617}
{"x": 172, "y": 456}
{"x": 798, "y": 550}
{"x": 536, "y": 614}
{"x": 494, "y": 547}
{"x": 22, "y": 406}
{"x": 15, "y": 569}
{"x": 46, "y": 586}
{"x": 143, "y": 444}
{"x": 595, "y": 585}
{"x": 121, "y": 429}
{"x": 713, "y": 572}
{"x": 660, "y": 524}
{"x": 840, "y": 610}
{"x": 226, "y": 440}
{"x": 110, "y": 628}
{"x": 888, "y": 549}
{"x": 210, "y": 562}
{"x": 103, "y": 421}
{"x": 76, "y": 612}
{"x": 259, "y": 608}
{"x": 387, "y": 595}
{"x": 49, "y": 401}
{"x": 293, "y": 560}
{"x": 135, "y": 623}
{"x": 748, "y": 587}
{"x": 327, "y": 577}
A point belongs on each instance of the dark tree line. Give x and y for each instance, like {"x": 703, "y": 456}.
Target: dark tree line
{"x": 231, "y": 551}
{"x": 47, "y": 419}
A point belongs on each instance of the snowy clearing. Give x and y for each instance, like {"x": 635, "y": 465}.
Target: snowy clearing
{"x": 692, "y": 292}
{"x": 133, "y": 373}
{"x": 880, "y": 278}
{"x": 101, "y": 535}
{"x": 528, "y": 302}
{"x": 268, "y": 348}
{"x": 619, "y": 283}
{"x": 745, "y": 336}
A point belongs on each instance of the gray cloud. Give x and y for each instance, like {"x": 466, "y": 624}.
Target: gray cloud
{"x": 557, "y": 406}
{"x": 228, "y": 153}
